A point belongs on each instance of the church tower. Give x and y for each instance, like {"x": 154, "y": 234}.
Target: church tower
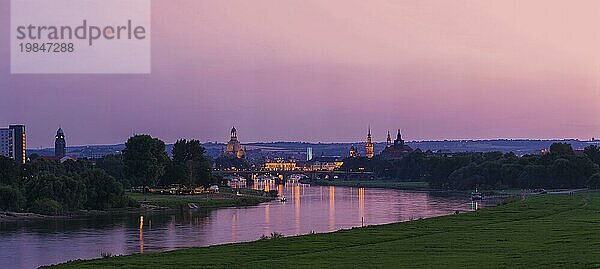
{"x": 399, "y": 141}
{"x": 389, "y": 141}
{"x": 234, "y": 148}
{"x": 233, "y": 134}
{"x": 60, "y": 144}
{"x": 369, "y": 145}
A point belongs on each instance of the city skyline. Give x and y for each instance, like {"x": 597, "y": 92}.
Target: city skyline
{"x": 367, "y": 136}
{"x": 310, "y": 73}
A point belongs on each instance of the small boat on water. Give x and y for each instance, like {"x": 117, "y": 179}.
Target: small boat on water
{"x": 282, "y": 199}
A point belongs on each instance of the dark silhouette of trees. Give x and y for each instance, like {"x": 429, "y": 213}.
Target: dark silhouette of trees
{"x": 561, "y": 168}
{"x": 11, "y": 198}
{"x": 114, "y": 166}
{"x": 593, "y": 152}
{"x": 102, "y": 190}
{"x": 9, "y": 171}
{"x": 189, "y": 165}
{"x": 145, "y": 159}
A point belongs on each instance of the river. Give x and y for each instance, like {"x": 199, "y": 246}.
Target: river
{"x": 308, "y": 208}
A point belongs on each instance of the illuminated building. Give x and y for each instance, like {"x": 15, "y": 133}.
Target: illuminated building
{"x": 234, "y": 148}
{"x": 323, "y": 163}
{"x": 7, "y": 145}
{"x": 308, "y": 153}
{"x": 280, "y": 164}
{"x": 60, "y": 144}
{"x": 369, "y": 145}
{"x": 236, "y": 182}
{"x": 353, "y": 152}
{"x": 13, "y": 142}
{"x": 388, "y": 141}
{"x": 398, "y": 149}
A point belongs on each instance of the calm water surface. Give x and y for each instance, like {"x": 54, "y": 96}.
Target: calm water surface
{"x": 308, "y": 208}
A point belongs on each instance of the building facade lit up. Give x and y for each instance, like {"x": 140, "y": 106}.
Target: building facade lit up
{"x": 13, "y": 142}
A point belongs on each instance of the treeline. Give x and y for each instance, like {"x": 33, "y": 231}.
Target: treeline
{"x": 146, "y": 163}
{"x": 50, "y": 187}
{"x": 559, "y": 168}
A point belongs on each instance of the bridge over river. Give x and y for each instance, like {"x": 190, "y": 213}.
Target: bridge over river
{"x": 342, "y": 175}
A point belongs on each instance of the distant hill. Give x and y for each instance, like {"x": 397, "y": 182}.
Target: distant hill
{"x": 298, "y": 149}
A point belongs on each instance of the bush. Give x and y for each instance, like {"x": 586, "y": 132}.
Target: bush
{"x": 11, "y": 198}
{"x": 274, "y": 235}
{"x": 105, "y": 254}
{"x": 46, "y": 206}
{"x": 126, "y": 201}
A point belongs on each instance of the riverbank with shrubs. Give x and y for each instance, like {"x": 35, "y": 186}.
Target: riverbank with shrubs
{"x": 45, "y": 186}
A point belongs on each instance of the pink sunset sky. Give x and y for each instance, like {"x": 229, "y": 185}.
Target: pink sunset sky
{"x": 326, "y": 70}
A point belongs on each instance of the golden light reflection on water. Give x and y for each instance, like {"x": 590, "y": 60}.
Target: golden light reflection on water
{"x": 361, "y": 205}
{"x": 331, "y": 207}
{"x": 267, "y": 218}
{"x": 308, "y": 208}
{"x": 264, "y": 184}
{"x": 234, "y": 223}
{"x": 296, "y": 194}
{"x": 142, "y": 234}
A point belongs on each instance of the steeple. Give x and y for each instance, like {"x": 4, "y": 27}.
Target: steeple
{"x": 233, "y": 133}
{"x": 389, "y": 140}
{"x": 399, "y": 141}
{"x": 369, "y": 145}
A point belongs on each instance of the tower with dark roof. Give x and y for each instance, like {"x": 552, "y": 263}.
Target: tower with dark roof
{"x": 60, "y": 144}
{"x": 369, "y": 149}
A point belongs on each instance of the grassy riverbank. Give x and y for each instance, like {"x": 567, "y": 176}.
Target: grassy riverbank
{"x": 207, "y": 200}
{"x": 545, "y": 231}
{"x": 386, "y": 184}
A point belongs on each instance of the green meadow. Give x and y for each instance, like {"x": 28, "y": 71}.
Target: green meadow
{"x": 544, "y": 231}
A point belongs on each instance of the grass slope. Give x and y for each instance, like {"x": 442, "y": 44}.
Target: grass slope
{"x": 548, "y": 231}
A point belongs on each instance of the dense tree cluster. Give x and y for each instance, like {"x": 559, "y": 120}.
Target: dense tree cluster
{"x": 189, "y": 166}
{"x": 50, "y": 187}
{"x": 560, "y": 168}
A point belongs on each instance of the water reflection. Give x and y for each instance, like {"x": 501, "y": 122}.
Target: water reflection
{"x": 141, "y": 234}
{"x": 361, "y": 205}
{"x": 311, "y": 208}
{"x": 331, "y": 207}
{"x": 264, "y": 183}
{"x": 296, "y": 196}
